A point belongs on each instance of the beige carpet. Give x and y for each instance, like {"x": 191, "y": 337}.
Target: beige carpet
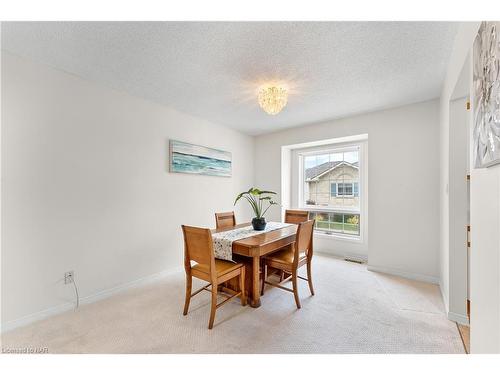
{"x": 354, "y": 311}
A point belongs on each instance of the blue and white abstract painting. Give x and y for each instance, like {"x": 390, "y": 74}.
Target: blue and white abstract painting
{"x": 194, "y": 159}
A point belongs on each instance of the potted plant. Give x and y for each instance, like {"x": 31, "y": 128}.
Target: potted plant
{"x": 258, "y": 200}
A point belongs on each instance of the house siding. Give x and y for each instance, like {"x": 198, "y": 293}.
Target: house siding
{"x": 319, "y": 191}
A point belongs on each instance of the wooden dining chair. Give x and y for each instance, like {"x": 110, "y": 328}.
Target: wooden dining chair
{"x": 291, "y": 259}
{"x": 198, "y": 247}
{"x": 296, "y": 216}
{"x": 293, "y": 217}
{"x": 224, "y": 219}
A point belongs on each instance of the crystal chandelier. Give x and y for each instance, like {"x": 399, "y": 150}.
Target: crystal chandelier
{"x": 272, "y": 99}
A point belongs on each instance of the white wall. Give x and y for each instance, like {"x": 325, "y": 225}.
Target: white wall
{"x": 86, "y": 187}
{"x": 485, "y": 259}
{"x": 403, "y": 212}
{"x": 484, "y": 218}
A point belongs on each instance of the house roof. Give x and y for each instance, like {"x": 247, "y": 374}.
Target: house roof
{"x": 321, "y": 169}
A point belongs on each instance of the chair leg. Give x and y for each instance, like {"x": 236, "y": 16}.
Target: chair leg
{"x": 282, "y": 275}
{"x": 189, "y": 283}
{"x": 264, "y": 277}
{"x": 214, "y": 306}
{"x": 295, "y": 289}
{"x": 309, "y": 277}
{"x": 243, "y": 296}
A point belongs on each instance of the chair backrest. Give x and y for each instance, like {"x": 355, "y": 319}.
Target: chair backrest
{"x": 224, "y": 219}
{"x": 304, "y": 239}
{"x": 198, "y": 246}
{"x": 296, "y": 216}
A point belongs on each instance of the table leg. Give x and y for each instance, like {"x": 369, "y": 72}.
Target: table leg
{"x": 255, "y": 302}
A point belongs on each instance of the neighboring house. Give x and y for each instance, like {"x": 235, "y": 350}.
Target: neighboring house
{"x": 334, "y": 183}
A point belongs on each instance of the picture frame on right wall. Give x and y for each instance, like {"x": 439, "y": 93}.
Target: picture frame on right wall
{"x": 486, "y": 92}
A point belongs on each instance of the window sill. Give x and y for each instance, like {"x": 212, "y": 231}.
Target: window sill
{"x": 339, "y": 237}
{"x": 354, "y": 210}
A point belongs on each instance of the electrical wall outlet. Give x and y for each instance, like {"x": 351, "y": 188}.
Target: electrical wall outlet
{"x": 68, "y": 277}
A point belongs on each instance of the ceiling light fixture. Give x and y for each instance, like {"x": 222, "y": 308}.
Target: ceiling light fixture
{"x": 273, "y": 99}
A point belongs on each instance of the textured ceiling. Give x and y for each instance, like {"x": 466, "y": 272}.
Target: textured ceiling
{"x": 213, "y": 69}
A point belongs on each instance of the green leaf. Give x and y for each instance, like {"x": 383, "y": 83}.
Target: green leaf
{"x": 255, "y": 191}
{"x": 267, "y": 192}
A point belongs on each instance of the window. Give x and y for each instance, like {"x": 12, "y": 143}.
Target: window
{"x": 336, "y": 222}
{"x": 330, "y": 182}
{"x": 343, "y": 189}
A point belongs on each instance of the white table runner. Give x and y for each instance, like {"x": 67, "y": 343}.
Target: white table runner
{"x": 223, "y": 241}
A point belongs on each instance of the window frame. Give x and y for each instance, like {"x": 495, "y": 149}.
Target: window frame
{"x": 300, "y": 203}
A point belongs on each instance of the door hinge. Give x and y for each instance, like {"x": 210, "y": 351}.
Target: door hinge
{"x": 468, "y": 177}
{"x": 467, "y": 105}
{"x": 468, "y": 235}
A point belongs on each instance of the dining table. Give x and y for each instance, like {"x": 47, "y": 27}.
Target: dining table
{"x": 250, "y": 250}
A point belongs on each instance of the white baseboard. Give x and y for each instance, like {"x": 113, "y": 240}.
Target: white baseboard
{"x": 406, "y": 275}
{"x": 40, "y": 315}
{"x": 459, "y": 318}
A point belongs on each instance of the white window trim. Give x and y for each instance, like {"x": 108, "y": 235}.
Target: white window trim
{"x": 339, "y": 236}
{"x": 361, "y": 146}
